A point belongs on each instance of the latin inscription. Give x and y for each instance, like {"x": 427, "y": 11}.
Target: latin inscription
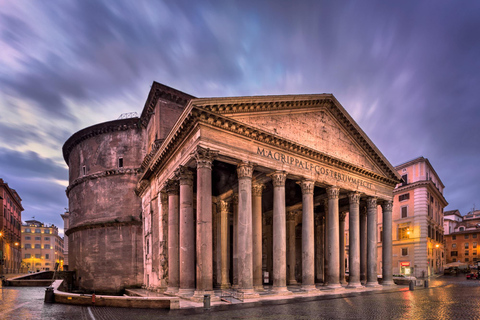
{"x": 319, "y": 170}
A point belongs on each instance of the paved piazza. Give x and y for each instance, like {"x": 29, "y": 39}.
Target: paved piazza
{"x": 446, "y": 298}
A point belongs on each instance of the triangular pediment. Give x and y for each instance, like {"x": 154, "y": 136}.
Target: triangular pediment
{"x": 318, "y": 122}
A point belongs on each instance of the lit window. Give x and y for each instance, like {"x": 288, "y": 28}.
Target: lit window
{"x": 38, "y": 231}
{"x": 403, "y": 233}
{"x": 466, "y": 245}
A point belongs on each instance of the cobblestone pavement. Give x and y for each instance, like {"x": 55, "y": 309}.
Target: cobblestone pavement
{"x": 446, "y": 298}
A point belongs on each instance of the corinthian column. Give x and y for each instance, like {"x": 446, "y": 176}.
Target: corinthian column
{"x": 291, "y": 255}
{"x": 325, "y": 242}
{"x": 319, "y": 246}
{"x": 224, "y": 209}
{"x": 308, "y": 236}
{"x": 171, "y": 187}
{"x": 235, "y": 239}
{"x": 279, "y": 234}
{"x": 372, "y": 242}
{"x": 204, "y": 158}
{"x": 341, "y": 220}
{"x": 363, "y": 245}
{"x": 187, "y": 233}
{"x": 257, "y": 236}
{"x": 354, "y": 240}
{"x": 333, "y": 252}
{"x": 387, "y": 274}
{"x": 244, "y": 225}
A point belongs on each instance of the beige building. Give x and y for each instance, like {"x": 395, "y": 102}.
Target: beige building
{"x": 418, "y": 223}
{"x": 42, "y": 247}
{"x": 233, "y": 193}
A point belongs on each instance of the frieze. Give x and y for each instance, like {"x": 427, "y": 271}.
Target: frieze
{"x": 309, "y": 166}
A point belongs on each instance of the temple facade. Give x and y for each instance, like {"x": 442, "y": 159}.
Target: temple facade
{"x": 240, "y": 192}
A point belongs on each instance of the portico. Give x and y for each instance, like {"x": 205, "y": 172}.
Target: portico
{"x": 274, "y": 176}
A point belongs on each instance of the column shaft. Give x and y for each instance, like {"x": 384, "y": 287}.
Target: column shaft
{"x": 291, "y": 252}
{"x": 354, "y": 240}
{"x": 333, "y": 252}
{"x": 363, "y": 245}
{"x": 173, "y": 268}
{"x": 308, "y": 236}
{"x": 341, "y": 235}
{"x": 244, "y": 225}
{"x": 279, "y": 233}
{"x": 372, "y": 242}
{"x": 319, "y": 247}
{"x": 224, "y": 209}
{"x": 187, "y": 233}
{"x": 235, "y": 239}
{"x": 257, "y": 236}
{"x": 387, "y": 272}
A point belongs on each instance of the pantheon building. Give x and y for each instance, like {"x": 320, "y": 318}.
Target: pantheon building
{"x": 242, "y": 193}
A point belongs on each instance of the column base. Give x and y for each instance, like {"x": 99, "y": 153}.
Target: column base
{"x": 249, "y": 293}
{"x": 388, "y": 283}
{"x": 198, "y": 295}
{"x": 334, "y": 286}
{"x": 309, "y": 288}
{"x": 185, "y": 293}
{"x": 171, "y": 291}
{"x": 372, "y": 284}
{"x": 281, "y": 291}
{"x": 225, "y": 286}
{"x": 354, "y": 285}
{"x": 292, "y": 282}
{"x": 259, "y": 288}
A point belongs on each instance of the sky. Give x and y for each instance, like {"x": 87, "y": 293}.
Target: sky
{"x": 408, "y": 72}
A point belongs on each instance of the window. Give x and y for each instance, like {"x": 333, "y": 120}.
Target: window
{"x": 38, "y": 256}
{"x": 474, "y": 236}
{"x": 28, "y": 255}
{"x": 466, "y": 259}
{"x": 404, "y": 212}
{"x": 84, "y": 170}
{"x": 461, "y": 229}
{"x": 47, "y": 231}
{"x": 474, "y": 252}
{"x": 28, "y": 238}
{"x": 466, "y": 236}
{"x": 474, "y": 245}
{"x": 454, "y": 253}
{"x": 27, "y": 230}
{"x": 120, "y": 162}
{"x": 404, "y": 251}
{"x": 38, "y": 231}
{"x": 405, "y": 179}
{"x": 38, "y": 246}
{"x": 47, "y": 263}
{"x": 404, "y": 197}
{"x": 454, "y": 237}
{"x": 38, "y": 264}
{"x": 466, "y": 252}
{"x": 403, "y": 233}
{"x": 37, "y": 238}
{"x": 454, "y": 245}
{"x": 47, "y": 256}
{"x": 28, "y": 246}
{"x": 466, "y": 245}
{"x": 46, "y": 238}
{"x": 47, "y": 246}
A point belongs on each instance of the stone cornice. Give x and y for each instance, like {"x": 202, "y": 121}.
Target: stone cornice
{"x": 423, "y": 183}
{"x": 160, "y": 91}
{"x": 104, "y": 224}
{"x": 101, "y": 174}
{"x": 194, "y": 115}
{"x": 98, "y": 129}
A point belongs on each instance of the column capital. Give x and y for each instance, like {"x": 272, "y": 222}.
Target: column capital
{"x": 163, "y": 197}
{"x": 333, "y": 192}
{"x": 235, "y": 198}
{"x": 184, "y": 175}
{"x": 291, "y": 215}
{"x": 371, "y": 202}
{"x": 387, "y": 205}
{"x": 224, "y": 206}
{"x": 204, "y": 157}
{"x": 257, "y": 189}
{"x": 307, "y": 186}
{"x": 354, "y": 197}
{"x": 171, "y": 186}
{"x": 342, "y": 216}
{"x": 245, "y": 170}
{"x": 278, "y": 178}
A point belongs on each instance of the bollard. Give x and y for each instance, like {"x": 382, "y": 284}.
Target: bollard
{"x": 425, "y": 284}
{"x": 206, "y": 301}
{"x": 49, "y": 295}
{"x": 412, "y": 285}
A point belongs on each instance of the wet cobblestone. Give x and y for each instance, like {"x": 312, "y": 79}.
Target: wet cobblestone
{"x": 446, "y": 298}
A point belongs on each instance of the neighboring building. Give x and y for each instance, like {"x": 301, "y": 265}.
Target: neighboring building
{"x": 461, "y": 246}
{"x": 418, "y": 223}
{"x": 10, "y": 223}
{"x": 450, "y": 220}
{"x": 42, "y": 247}
{"x": 65, "y": 239}
{"x": 197, "y": 193}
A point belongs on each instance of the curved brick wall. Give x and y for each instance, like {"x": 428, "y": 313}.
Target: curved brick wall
{"x": 105, "y": 224}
